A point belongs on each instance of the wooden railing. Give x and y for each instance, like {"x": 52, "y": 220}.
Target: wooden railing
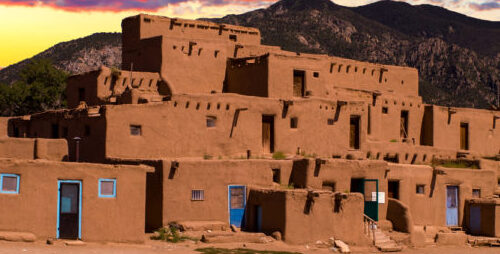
{"x": 370, "y": 226}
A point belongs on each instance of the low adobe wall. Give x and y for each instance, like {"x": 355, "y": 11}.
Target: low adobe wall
{"x": 301, "y": 221}
{"x": 28, "y": 148}
{"x": 34, "y": 208}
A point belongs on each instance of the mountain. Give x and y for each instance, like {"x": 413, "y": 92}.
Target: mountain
{"x": 458, "y": 57}
{"x": 76, "y": 56}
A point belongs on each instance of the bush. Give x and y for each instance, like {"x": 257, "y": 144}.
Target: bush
{"x": 279, "y": 155}
{"x": 170, "y": 234}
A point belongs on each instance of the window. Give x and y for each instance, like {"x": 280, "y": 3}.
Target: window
{"x": 328, "y": 185}
{"x": 232, "y": 37}
{"x": 81, "y": 94}
{"x": 87, "y": 130}
{"x": 107, "y": 188}
{"x": 330, "y": 121}
{"x": 476, "y": 193}
{"x": 276, "y": 175}
{"x": 211, "y": 121}
{"x": 197, "y": 195}
{"x": 294, "y": 122}
{"x": 135, "y": 130}
{"x": 420, "y": 189}
{"x": 55, "y": 130}
{"x": 9, "y": 183}
{"x": 385, "y": 110}
{"x": 316, "y": 74}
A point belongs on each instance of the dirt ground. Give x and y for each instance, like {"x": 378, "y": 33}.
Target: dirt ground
{"x": 155, "y": 247}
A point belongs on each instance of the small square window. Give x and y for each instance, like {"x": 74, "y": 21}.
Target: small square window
{"x": 276, "y": 175}
{"x": 385, "y": 110}
{"x": 476, "y": 193}
{"x": 294, "y": 122}
{"x": 328, "y": 185}
{"x": 135, "y": 130}
{"x": 107, "y": 188}
{"x": 197, "y": 195}
{"x": 233, "y": 37}
{"x": 316, "y": 74}
{"x": 330, "y": 121}
{"x": 420, "y": 189}
{"x": 211, "y": 121}
{"x": 9, "y": 183}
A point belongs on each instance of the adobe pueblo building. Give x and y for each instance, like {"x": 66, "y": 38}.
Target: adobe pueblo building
{"x": 204, "y": 124}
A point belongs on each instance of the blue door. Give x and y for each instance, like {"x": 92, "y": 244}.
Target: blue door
{"x": 452, "y": 205}
{"x": 475, "y": 220}
{"x": 237, "y": 202}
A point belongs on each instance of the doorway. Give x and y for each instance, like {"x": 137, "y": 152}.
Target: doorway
{"x": 393, "y": 189}
{"x": 404, "y": 124}
{"x": 268, "y": 134}
{"x": 69, "y": 209}
{"x": 452, "y": 205}
{"x": 354, "y": 132}
{"x": 369, "y": 189}
{"x": 464, "y": 136}
{"x": 299, "y": 83}
{"x": 237, "y": 202}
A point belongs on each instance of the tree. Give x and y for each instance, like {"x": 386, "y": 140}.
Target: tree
{"x": 40, "y": 87}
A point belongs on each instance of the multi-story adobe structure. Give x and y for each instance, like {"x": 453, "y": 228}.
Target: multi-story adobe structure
{"x": 205, "y": 107}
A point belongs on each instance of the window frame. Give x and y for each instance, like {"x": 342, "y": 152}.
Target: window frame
{"x": 18, "y": 177}
{"x": 101, "y": 180}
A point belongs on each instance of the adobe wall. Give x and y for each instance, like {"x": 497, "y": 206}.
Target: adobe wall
{"x": 213, "y": 176}
{"x": 177, "y": 128}
{"x": 323, "y": 75}
{"x": 484, "y": 139}
{"x": 39, "y": 190}
{"x": 331, "y": 215}
{"x": 87, "y": 124}
{"x": 434, "y": 197}
{"x": 103, "y": 84}
{"x": 247, "y": 76}
{"x": 144, "y": 26}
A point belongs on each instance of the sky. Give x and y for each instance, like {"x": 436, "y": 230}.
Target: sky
{"x": 28, "y": 27}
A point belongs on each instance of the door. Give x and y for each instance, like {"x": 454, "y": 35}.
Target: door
{"x": 298, "y": 83}
{"x": 237, "y": 202}
{"x": 268, "y": 134}
{"x": 452, "y": 205}
{"x": 354, "y": 133}
{"x": 475, "y": 220}
{"x": 404, "y": 124}
{"x": 369, "y": 189}
{"x": 258, "y": 218}
{"x": 464, "y": 136}
{"x": 69, "y": 209}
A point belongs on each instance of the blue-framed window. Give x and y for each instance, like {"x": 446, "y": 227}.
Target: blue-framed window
{"x": 9, "y": 183}
{"x": 107, "y": 188}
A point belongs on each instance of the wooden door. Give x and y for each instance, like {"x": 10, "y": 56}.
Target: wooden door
{"x": 268, "y": 134}
{"x": 298, "y": 83}
{"x": 69, "y": 209}
{"x": 354, "y": 133}
{"x": 464, "y": 136}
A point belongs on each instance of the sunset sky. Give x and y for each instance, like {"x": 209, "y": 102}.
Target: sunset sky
{"x": 30, "y": 26}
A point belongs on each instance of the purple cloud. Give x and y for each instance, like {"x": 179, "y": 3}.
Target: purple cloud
{"x": 120, "y": 5}
{"x": 485, "y": 6}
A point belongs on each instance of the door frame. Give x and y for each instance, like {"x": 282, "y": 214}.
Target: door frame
{"x": 229, "y": 199}
{"x": 79, "y": 182}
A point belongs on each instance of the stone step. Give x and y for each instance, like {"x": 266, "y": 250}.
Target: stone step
{"x": 203, "y": 226}
{"x": 390, "y": 248}
{"x": 382, "y": 241}
{"x": 235, "y": 237}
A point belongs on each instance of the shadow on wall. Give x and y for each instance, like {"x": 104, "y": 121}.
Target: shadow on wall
{"x": 399, "y": 214}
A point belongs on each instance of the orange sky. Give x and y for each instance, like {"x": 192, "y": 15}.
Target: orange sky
{"x": 28, "y": 30}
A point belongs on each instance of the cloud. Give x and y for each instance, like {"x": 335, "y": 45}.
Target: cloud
{"x": 485, "y": 6}
{"x": 122, "y": 5}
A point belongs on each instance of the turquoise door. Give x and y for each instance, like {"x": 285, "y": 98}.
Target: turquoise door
{"x": 237, "y": 202}
{"x": 371, "y": 198}
{"x": 452, "y": 205}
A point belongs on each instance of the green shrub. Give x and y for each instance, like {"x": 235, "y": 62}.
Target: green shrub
{"x": 279, "y": 155}
{"x": 470, "y": 164}
{"x": 170, "y": 234}
{"x": 207, "y": 157}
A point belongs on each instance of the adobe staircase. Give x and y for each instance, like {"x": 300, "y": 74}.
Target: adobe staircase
{"x": 383, "y": 242}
